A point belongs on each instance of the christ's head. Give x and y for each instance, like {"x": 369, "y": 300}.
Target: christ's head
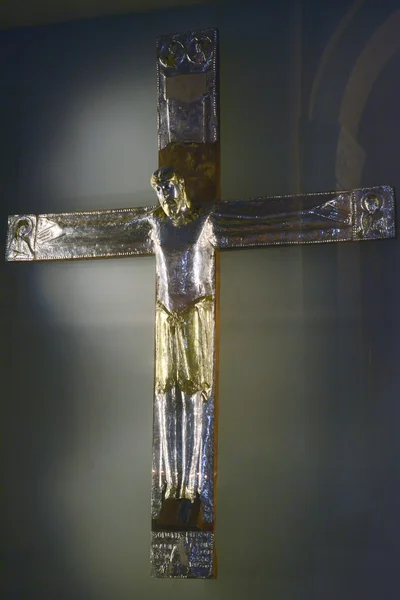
{"x": 171, "y": 192}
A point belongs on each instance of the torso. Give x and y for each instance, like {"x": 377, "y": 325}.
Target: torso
{"x": 185, "y": 262}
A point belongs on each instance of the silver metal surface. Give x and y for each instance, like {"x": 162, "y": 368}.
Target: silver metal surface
{"x": 182, "y": 555}
{"x": 184, "y": 238}
{"x": 94, "y": 234}
{"x": 183, "y": 440}
{"x": 187, "y": 88}
{"x": 364, "y": 214}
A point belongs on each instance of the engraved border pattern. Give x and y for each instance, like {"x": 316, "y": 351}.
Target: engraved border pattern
{"x": 184, "y": 65}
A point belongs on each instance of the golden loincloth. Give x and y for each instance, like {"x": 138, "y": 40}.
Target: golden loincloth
{"x": 185, "y": 347}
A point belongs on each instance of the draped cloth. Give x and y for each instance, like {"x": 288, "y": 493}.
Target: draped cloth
{"x": 185, "y": 347}
{"x": 184, "y": 381}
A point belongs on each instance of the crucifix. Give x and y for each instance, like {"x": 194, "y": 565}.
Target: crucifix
{"x": 185, "y": 232}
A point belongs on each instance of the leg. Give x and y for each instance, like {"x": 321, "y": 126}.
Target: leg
{"x": 167, "y": 436}
{"x": 191, "y": 444}
{"x": 195, "y": 352}
{"x": 166, "y": 413}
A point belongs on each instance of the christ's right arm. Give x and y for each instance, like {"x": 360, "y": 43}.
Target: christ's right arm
{"x": 93, "y": 234}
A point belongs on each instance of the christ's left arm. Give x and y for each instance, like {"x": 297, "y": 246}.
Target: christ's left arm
{"x": 309, "y": 218}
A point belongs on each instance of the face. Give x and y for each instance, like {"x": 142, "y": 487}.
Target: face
{"x": 170, "y": 191}
{"x": 22, "y": 230}
{"x": 372, "y": 204}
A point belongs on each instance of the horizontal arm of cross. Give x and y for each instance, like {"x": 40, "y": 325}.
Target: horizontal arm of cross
{"x": 93, "y": 234}
{"x": 362, "y": 214}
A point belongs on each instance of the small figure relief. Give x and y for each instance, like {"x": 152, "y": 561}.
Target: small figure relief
{"x": 200, "y": 50}
{"x": 373, "y": 222}
{"x": 22, "y": 239}
{"x": 186, "y": 90}
{"x": 179, "y": 562}
{"x": 196, "y": 51}
{"x": 172, "y": 54}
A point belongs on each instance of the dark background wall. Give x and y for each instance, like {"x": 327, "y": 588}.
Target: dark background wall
{"x": 308, "y": 439}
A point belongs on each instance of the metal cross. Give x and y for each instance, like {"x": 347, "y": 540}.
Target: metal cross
{"x": 185, "y": 231}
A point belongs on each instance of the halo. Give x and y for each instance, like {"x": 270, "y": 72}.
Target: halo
{"x": 371, "y": 195}
{"x": 172, "y": 53}
{"x": 200, "y": 50}
{"x": 27, "y": 221}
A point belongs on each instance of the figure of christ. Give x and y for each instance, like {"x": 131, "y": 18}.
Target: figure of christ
{"x": 184, "y": 340}
{"x": 184, "y": 239}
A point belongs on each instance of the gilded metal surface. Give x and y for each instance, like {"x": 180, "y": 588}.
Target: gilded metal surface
{"x": 183, "y": 341}
{"x": 184, "y": 238}
{"x": 199, "y": 163}
{"x": 185, "y": 349}
{"x": 185, "y": 374}
{"x": 187, "y": 109}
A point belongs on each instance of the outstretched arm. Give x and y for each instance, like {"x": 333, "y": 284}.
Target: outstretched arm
{"x": 362, "y": 214}
{"x": 94, "y": 234}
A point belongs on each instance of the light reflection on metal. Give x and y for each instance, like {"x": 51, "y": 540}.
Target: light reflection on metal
{"x": 362, "y": 214}
{"x": 184, "y": 232}
{"x": 184, "y": 240}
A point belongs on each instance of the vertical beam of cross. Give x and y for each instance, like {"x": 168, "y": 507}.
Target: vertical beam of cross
{"x": 185, "y": 232}
{"x": 188, "y": 140}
